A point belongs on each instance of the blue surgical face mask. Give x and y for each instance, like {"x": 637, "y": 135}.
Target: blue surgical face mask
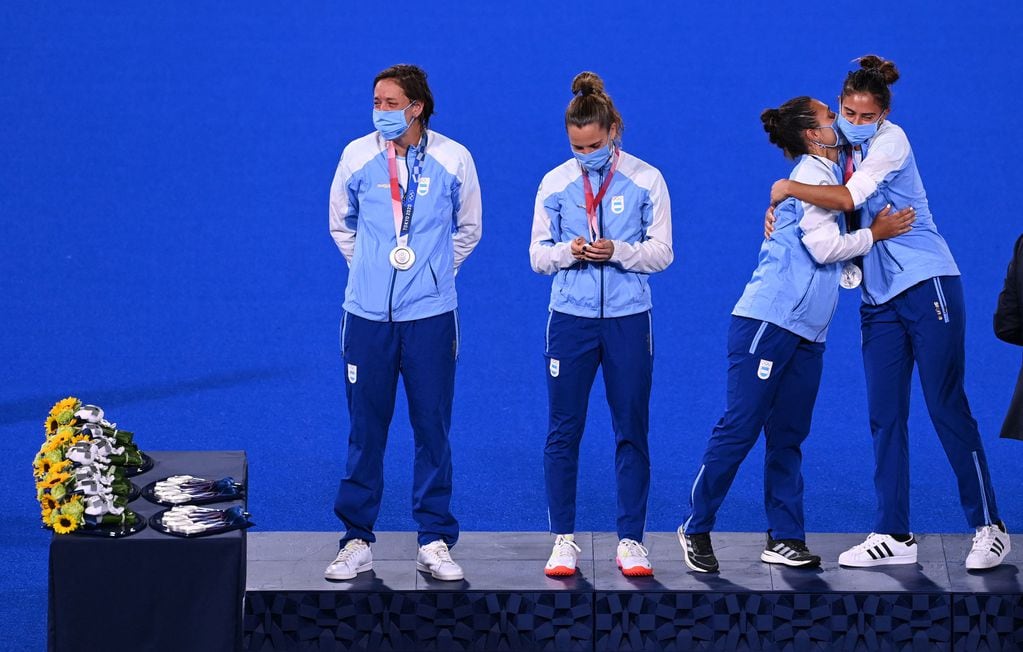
{"x": 391, "y": 124}
{"x": 595, "y": 160}
{"x": 856, "y": 134}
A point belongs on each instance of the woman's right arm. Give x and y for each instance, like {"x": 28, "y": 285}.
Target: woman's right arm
{"x": 888, "y": 153}
{"x": 344, "y": 210}
{"x": 1009, "y": 314}
{"x": 547, "y": 255}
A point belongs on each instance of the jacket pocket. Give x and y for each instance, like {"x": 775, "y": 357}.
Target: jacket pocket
{"x": 806, "y": 293}
{"x": 890, "y": 256}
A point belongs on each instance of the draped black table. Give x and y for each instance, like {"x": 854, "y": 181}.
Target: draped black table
{"x": 152, "y": 591}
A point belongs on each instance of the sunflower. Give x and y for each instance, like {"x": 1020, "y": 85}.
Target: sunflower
{"x": 64, "y": 410}
{"x": 49, "y": 445}
{"x": 51, "y": 424}
{"x": 54, "y": 479}
{"x": 63, "y": 436}
{"x": 40, "y": 467}
{"x": 48, "y": 503}
{"x": 63, "y": 523}
{"x": 77, "y": 437}
{"x": 60, "y": 467}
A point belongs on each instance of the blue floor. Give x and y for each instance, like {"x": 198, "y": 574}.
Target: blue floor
{"x": 165, "y": 253}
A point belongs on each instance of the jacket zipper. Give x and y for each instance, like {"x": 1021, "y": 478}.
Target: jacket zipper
{"x": 394, "y": 272}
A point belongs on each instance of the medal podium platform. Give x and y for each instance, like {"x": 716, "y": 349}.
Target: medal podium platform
{"x": 506, "y": 602}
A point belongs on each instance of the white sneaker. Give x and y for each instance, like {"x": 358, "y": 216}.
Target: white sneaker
{"x": 435, "y": 559}
{"x": 632, "y": 559}
{"x": 879, "y": 550}
{"x": 564, "y": 557}
{"x": 990, "y": 546}
{"x": 351, "y": 560}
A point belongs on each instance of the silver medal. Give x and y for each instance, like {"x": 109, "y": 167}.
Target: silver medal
{"x": 402, "y": 258}
{"x": 852, "y": 275}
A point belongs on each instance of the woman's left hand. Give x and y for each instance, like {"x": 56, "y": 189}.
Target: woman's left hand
{"x": 779, "y": 191}
{"x": 599, "y": 250}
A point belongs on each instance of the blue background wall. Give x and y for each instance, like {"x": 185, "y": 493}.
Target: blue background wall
{"x": 163, "y": 195}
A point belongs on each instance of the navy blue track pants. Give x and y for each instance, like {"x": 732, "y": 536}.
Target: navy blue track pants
{"x": 423, "y": 351}
{"x": 926, "y": 324}
{"x": 773, "y": 378}
{"x": 623, "y": 348}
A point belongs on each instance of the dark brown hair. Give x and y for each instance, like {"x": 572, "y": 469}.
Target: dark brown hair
{"x": 412, "y": 80}
{"x": 786, "y": 124}
{"x": 591, "y": 104}
{"x": 874, "y": 76}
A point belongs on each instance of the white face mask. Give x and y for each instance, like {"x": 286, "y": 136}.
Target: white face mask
{"x": 838, "y": 138}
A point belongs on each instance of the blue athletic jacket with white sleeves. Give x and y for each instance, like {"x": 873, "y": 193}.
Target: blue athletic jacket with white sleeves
{"x": 795, "y": 285}
{"x": 635, "y": 214}
{"x": 886, "y": 173}
{"x": 446, "y": 226}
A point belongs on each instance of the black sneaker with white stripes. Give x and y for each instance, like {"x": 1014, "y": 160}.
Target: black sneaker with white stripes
{"x": 790, "y": 552}
{"x": 697, "y": 551}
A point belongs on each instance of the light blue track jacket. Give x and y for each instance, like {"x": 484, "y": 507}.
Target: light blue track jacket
{"x": 635, "y": 214}
{"x": 886, "y": 173}
{"x": 446, "y": 226}
{"x": 795, "y": 285}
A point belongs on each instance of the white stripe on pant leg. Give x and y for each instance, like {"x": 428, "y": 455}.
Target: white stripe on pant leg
{"x": 983, "y": 493}
{"x": 344, "y": 326}
{"x": 692, "y": 498}
{"x": 547, "y": 334}
{"x": 650, "y": 325}
{"x": 756, "y": 338}
{"x": 458, "y": 336}
{"x": 941, "y": 298}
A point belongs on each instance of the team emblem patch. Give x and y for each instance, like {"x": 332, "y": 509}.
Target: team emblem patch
{"x": 764, "y": 371}
{"x": 353, "y": 373}
{"x": 618, "y": 204}
{"x": 424, "y": 186}
{"x": 555, "y": 368}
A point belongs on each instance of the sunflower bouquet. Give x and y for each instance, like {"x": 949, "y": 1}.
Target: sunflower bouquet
{"x": 81, "y": 481}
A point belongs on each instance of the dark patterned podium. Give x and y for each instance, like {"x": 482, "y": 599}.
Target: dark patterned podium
{"x": 506, "y": 603}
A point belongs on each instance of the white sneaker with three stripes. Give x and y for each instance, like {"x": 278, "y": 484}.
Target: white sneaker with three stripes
{"x": 990, "y": 546}
{"x": 880, "y": 550}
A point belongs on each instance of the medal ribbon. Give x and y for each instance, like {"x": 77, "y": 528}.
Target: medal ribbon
{"x": 592, "y": 202}
{"x": 402, "y": 206}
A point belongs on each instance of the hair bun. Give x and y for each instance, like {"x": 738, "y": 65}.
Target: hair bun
{"x": 587, "y": 83}
{"x": 770, "y": 119}
{"x": 883, "y": 67}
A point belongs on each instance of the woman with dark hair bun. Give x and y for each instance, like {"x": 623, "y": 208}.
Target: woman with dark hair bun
{"x": 601, "y": 226}
{"x": 405, "y": 211}
{"x": 776, "y": 344}
{"x": 912, "y": 314}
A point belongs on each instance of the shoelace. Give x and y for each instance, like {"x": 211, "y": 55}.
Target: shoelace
{"x": 352, "y": 547}
{"x": 440, "y": 549}
{"x": 871, "y": 541}
{"x": 561, "y": 542}
{"x": 985, "y": 536}
{"x": 634, "y": 548}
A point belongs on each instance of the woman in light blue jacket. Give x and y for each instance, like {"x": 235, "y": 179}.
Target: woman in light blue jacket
{"x": 913, "y": 313}
{"x": 405, "y": 212}
{"x": 601, "y": 226}
{"x": 776, "y": 344}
